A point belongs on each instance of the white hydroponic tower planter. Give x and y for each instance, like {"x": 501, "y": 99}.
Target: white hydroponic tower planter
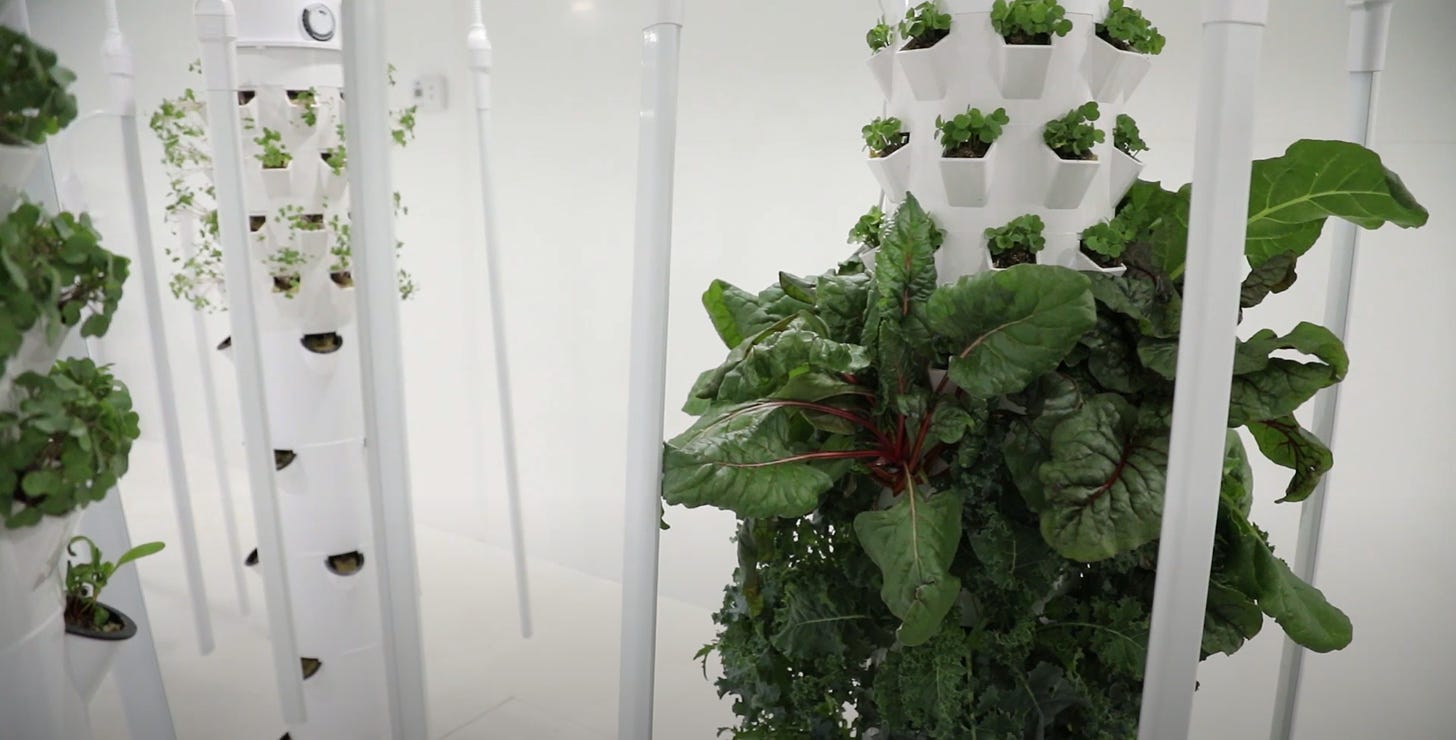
{"x": 1034, "y": 85}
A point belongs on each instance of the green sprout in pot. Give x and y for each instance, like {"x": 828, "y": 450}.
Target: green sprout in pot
{"x": 273, "y": 155}
{"x": 285, "y": 267}
{"x": 86, "y": 580}
{"x": 867, "y": 230}
{"x": 880, "y": 37}
{"x": 1029, "y": 22}
{"x": 1126, "y": 29}
{"x": 1126, "y": 137}
{"x": 308, "y": 101}
{"x": 884, "y": 136}
{"x": 924, "y": 26}
{"x": 34, "y": 102}
{"x": 1073, "y": 135}
{"x": 972, "y": 133}
{"x": 1104, "y": 243}
{"x": 1016, "y": 243}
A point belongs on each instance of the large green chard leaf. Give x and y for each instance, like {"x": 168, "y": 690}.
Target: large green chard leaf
{"x": 1304, "y": 613}
{"x": 1010, "y": 327}
{"x": 1274, "y": 275}
{"x": 1104, "y": 484}
{"x": 737, "y": 314}
{"x": 842, "y": 300}
{"x": 1153, "y": 303}
{"x": 749, "y": 459}
{"x": 1237, "y": 486}
{"x": 1268, "y": 387}
{"x": 895, "y": 328}
{"x": 1292, "y": 195}
{"x": 771, "y": 363}
{"x": 1229, "y": 619}
{"x": 1287, "y": 443}
{"x": 913, "y": 543}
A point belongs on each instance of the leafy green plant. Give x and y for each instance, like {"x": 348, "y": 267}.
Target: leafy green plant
{"x": 1029, "y": 21}
{"x": 55, "y": 273}
{"x": 273, "y": 155}
{"x": 1017, "y": 242}
{"x": 1126, "y": 136}
{"x": 972, "y": 133}
{"x": 866, "y": 231}
{"x": 1127, "y": 29}
{"x": 1105, "y": 242}
{"x": 285, "y": 266}
{"x": 949, "y": 496}
{"x": 308, "y": 101}
{"x": 924, "y": 26}
{"x": 880, "y": 37}
{"x": 884, "y": 136}
{"x": 34, "y": 99}
{"x": 1073, "y": 135}
{"x": 65, "y": 444}
{"x": 85, "y": 581}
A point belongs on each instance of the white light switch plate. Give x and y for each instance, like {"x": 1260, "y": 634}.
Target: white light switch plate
{"x": 430, "y": 93}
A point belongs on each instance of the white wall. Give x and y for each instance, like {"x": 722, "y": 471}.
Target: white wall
{"x": 770, "y": 178}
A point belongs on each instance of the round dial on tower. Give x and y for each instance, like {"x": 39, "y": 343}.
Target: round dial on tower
{"x": 319, "y": 22}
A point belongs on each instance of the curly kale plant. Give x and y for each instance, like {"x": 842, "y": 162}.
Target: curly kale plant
{"x": 66, "y": 444}
{"x": 880, "y": 37}
{"x": 949, "y": 495}
{"x": 884, "y": 136}
{"x": 34, "y": 101}
{"x": 1127, "y": 29}
{"x": 1126, "y": 136}
{"x": 1073, "y": 135}
{"x": 1016, "y": 243}
{"x": 924, "y": 26}
{"x": 972, "y": 133}
{"x": 1029, "y": 21}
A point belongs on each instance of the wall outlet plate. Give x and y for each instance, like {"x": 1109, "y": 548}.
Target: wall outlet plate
{"x": 430, "y": 93}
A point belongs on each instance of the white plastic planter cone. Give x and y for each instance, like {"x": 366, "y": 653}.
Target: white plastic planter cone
{"x": 1123, "y": 171}
{"x": 1021, "y": 69}
{"x": 926, "y": 69}
{"x": 882, "y": 67}
{"x": 16, "y": 164}
{"x": 967, "y": 180}
{"x": 1068, "y": 180}
{"x": 89, "y": 659}
{"x": 34, "y": 683}
{"x": 893, "y": 172}
{"x": 1112, "y": 73}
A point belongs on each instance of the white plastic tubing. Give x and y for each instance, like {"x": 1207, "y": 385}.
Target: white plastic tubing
{"x": 1369, "y": 31}
{"x": 217, "y": 29}
{"x": 387, "y": 448}
{"x": 1232, "y": 33}
{"x": 657, "y": 142}
{"x": 119, "y": 70}
{"x": 481, "y": 60}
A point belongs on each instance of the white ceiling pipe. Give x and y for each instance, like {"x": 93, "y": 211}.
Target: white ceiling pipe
{"x": 217, "y": 29}
{"x": 1224, "y": 150}
{"x": 647, "y": 377}
{"x": 120, "y": 73}
{"x": 387, "y": 449}
{"x": 1369, "y": 32}
{"x": 481, "y": 60}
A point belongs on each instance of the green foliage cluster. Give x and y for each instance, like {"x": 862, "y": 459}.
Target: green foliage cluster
{"x": 1127, "y": 137}
{"x": 34, "y": 100}
{"x": 85, "y": 581}
{"x": 867, "y": 230}
{"x": 55, "y": 271}
{"x": 274, "y": 155}
{"x": 1029, "y": 21}
{"x": 880, "y": 37}
{"x": 972, "y": 133}
{"x": 65, "y": 444}
{"x": 308, "y": 101}
{"x": 949, "y": 496}
{"x": 1106, "y": 241}
{"x": 924, "y": 26}
{"x": 884, "y": 136}
{"x": 1023, "y": 234}
{"x": 1073, "y": 135}
{"x": 1127, "y": 29}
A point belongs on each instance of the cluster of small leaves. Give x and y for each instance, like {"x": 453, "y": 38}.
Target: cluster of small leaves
{"x": 924, "y": 26}
{"x": 308, "y": 101}
{"x": 34, "y": 100}
{"x": 884, "y": 136}
{"x": 972, "y": 133}
{"x": 54, "y": 272}
{"x": 1073, "y": 135}
{"x": 1106, "y": 241}
{"x": 298, "y": 220}
{"x": 950, "y": 495}
{"x": 880, "y": 37}
{"x": 85, "y": 580}
{"x": 1127, "y": 29}
{"x": 1029, "y": 21}
{"x": 1127, "y": 137}
{"x": 274, "y": 155}
{"x": 1023, "y": 234}
{"x": 867, "y": 230}
{"x": 65, "y": 444}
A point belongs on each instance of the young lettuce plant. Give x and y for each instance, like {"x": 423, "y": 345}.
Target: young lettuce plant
{"x": 884, "y": 136}
{"x": 34, "y": 100}
{"x": 1126, "y": 136}
{"x": 1127, "y": 29}
{"x": 273, "y": 155}
{"x": 924, "y": 26}
{"x": 1029, "y": 22}
{"x": 1073, "y": 135}
{"x": 880, "y": 37}
{"x": 1016, "y": 243}
{"x": 866, "y": 231}
{"x": 1105, "y": 242}
{"x": 86, "y": 580}
{"x": 949, "y": 496}
{"x": 972, "y": 133}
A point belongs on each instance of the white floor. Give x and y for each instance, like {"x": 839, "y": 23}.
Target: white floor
{"x": 484, "y": 679}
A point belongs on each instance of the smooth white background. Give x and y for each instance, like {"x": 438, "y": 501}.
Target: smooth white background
{"x": 770, "y": 178}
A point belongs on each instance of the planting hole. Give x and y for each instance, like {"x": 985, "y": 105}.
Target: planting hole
{"x": 295, "y": 95}
{"x": 256, "y": 223}
{"x": 315, "y": 220}
{"x": 286, "y": 283}
{"x": 310, "y": 667}
{"x": 283, "y": 458}
{"x": 225, "y": 345}
{"x": 252, "y": 558}
{"x": 322, "y": 344}
{"x": 342, "y": 278}
{"x": 246, "y": 96}
{"x": 345, "y": 564}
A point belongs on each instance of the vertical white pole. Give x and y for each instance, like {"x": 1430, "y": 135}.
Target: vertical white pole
{"x": 217, "y": 29}
{"x": 1369, "y": 31}
{"x": 1232, "y": 34}
{"x": 119, "y": 70}
{"x": 481, "y": 60}
{"x": 387, "y": 448}
{"x": 651, "y": 273}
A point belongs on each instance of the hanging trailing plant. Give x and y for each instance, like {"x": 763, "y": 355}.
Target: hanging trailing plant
{"x": 34, "y": 97}
{"x": 949, "y": 496}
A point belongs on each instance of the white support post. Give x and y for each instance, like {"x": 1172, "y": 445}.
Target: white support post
{"x": 220, "y": 464}
{"x": 481, "y": 59}
{"x": 647, "y": 378}
{"x": 119, "y": 70}
{"x": 1232, "y": 34}
{"x": 217, "y": 29}
{"x": 387, "y": 444}
{"x": 1369, "y": 32}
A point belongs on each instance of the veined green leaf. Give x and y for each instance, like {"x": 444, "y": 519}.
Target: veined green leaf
{"x": 1237, "y": 486}
{"x": 1274, "y": 275}
{"x": 913, "y": 543}
{"x": 738, "y": 315}
{"x": 771, "y": 363}
{"x": 1229, "y": 619}
{"x": 1290, "y": 445}
{"x": 895, "y": 328}
{"x": 1267, "y": 387}
{"x": 842, "y": 300}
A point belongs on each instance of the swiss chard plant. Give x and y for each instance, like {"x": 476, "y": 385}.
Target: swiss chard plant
{"x": 880, "y": 37}
{"x": 1127, "y": 29}
{"x": 972, "y": 133}
{"x": 1017, "y": 242}
{"x": 884, "y": 136}
{"x": 34, "y": 98}
{"x": 949, "y": 495}
{"x": 1075, "y": 134}
{"x": 87, "y": 578}
{"x": 1033, "y": 22}
{"x": 924, "y": 26}
{"x": 1126, "y": 136}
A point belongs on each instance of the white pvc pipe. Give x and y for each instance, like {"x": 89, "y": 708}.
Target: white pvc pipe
{"x": 217, "y": 29}
{"x": 481, "y": 59}
{"x": 1369, "y": 32}
{"x": 1232, "y": 34}
{"x": 387, "y": 449}
{"x": 220, "y": 464}
{"x": 119, "y": 70}
{"x": 647, "y": 378}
